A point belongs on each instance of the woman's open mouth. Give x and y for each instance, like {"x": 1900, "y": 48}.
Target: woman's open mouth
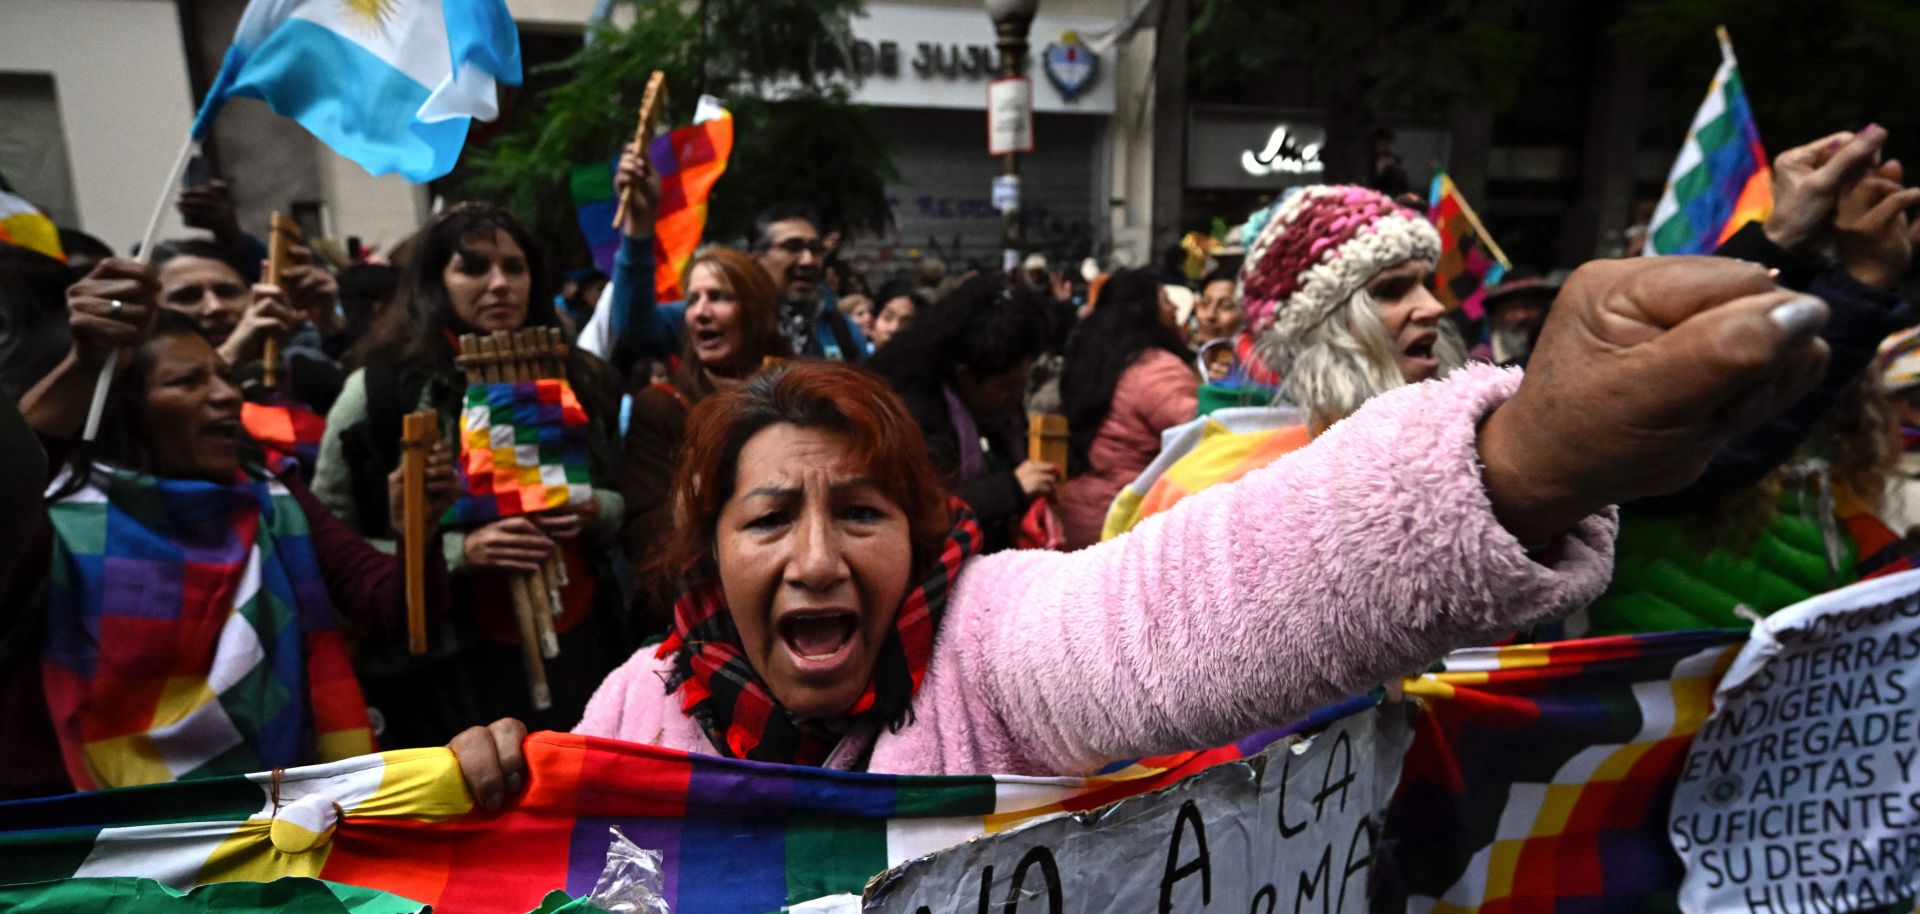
{"x": 819, "y": 641}
{"x": 707, "y": 340}
{"x": 222, "y": 429}
{"x": 1421, "y": 349}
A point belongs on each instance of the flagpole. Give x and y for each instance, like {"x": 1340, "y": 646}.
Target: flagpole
{"x": 1493, "y": 247}
{"x": 1726, "y": 43}
{"x": 104, "y": 382}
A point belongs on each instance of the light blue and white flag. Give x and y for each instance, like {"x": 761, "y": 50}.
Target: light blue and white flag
{"x": 390, "y": 84}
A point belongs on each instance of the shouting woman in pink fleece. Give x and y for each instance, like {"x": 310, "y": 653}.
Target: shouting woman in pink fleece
{"x": 832, "y": 615}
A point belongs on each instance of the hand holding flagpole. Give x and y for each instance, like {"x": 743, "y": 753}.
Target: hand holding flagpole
{"x": 650, "y": 105}
{"x": 104, "y": 383}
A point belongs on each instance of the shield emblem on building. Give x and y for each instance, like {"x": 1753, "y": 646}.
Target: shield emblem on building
{"x": 1071, "y": 66}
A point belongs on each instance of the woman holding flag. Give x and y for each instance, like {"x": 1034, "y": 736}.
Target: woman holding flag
{"x": 181, "y": 620}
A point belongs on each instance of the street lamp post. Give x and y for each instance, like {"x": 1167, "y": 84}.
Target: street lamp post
{"x": 1011, "y": 20}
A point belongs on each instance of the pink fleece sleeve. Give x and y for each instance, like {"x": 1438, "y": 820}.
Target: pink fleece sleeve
{"x": 1365, "y": 556}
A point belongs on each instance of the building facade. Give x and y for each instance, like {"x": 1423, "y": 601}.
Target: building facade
{"x": 96, "y": 97}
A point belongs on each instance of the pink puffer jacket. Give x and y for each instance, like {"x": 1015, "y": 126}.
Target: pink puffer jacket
{"x": 1365, "y": 556}
{"x": 1157, "y": 392}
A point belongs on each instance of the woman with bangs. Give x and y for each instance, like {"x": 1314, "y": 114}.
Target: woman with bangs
{"x": 732, "y": 330}
{"x": 475, "y": 269}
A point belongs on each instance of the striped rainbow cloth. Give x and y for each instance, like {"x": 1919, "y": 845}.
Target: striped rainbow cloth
{"x": 736, "y": 836}
{"x": 1540, "y": 775}
{"x": 1221, "y": 446}
{"x": 690, "y": 160}
{"x": 1720, "y": 181}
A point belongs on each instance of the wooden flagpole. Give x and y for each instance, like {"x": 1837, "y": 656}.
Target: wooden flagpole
{"x": 650, "y": 105}
{"x": 104, "y": 382}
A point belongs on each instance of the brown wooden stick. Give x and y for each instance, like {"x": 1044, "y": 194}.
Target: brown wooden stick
{"x": 1047, "y": 439}
{"x": 419, "y": 431}
{"x": 523, "y": 617}
{"x": 650, "y": 104}
{"x": 516, "y": 354}
{"x": 282, "y": 233}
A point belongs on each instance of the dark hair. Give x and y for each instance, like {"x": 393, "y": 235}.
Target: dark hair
{"x": 413, "y": 332}
{"x": 366, "y": 292}
{"x": 1126, "y": 324}
{"x": 764, "y": 222}
{"x": 120, "y": 441}
{"x": 1218, "y": 274}
{"x": 758, "y": 312}
{"x": 901, "y": 288}
{"x": 33, "y": 318}
{"x": 365, "y": 284}
{"x": 985, "y": 324}
{"x": 73, "y": 241}
{"x": 204, "y": 249}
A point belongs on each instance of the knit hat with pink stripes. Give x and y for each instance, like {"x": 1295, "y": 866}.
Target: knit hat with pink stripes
{"x": 1322, "y": 245}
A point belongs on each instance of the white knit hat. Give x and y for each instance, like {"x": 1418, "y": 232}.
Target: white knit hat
{"x": 1323, "y": 245}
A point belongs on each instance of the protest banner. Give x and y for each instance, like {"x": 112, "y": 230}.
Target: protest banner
{"x": 1799, "y": 794}
{"x": 1294, "y": 828}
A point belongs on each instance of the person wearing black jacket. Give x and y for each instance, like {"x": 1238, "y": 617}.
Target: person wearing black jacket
{"x": 1861, "y": 289}
{"x": 1759, "y": 529}
{"x": 962, "y": 369}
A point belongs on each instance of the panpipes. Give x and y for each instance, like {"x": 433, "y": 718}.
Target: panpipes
{"x": 419, "y": 431}
{"x": 529, "y": 354}
{"x": 1047, "y": 439}
{"x": 282, "y": 234}
{"x": 651, "y": 104}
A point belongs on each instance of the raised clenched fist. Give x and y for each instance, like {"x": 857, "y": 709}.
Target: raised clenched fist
{"x": 1645, "y": 369}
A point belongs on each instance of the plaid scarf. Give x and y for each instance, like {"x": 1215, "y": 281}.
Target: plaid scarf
{"x": 190, "y": 634}
{"x": 719, "y": 688}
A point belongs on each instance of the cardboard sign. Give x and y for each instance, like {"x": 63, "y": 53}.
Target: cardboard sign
{"x": 1802, "y": 790}
{"x": 1293, "y": 828}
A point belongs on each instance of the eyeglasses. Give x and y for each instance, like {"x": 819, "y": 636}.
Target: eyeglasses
{"x": 796, "y": 246}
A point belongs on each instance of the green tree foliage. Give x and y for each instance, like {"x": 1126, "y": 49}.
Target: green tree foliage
{"x": 773, "y": 62}
{"x": 1810, "y": 66}
{"x": 1356, "y": 58}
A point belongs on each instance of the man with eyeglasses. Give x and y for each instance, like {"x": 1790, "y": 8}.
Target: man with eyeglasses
{"x": 629, "y": 325}
{"x": 786, "y": 241}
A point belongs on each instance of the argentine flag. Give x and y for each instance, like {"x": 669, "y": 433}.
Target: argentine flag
{"x": 390, "y": 84}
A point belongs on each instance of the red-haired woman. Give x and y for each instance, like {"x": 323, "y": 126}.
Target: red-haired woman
{"x": 732, "y": 329}
{"x": 832, "y": 616}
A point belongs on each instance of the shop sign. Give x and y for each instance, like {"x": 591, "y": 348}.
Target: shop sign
{"x": 921, "y": 57}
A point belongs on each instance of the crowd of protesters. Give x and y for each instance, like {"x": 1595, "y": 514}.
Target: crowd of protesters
{"x": 816, "y": 533}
